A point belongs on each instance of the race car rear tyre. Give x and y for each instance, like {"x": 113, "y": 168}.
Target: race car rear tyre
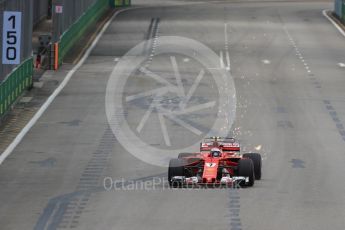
{"x": 257, "y": 161}
{"x": 183, "y": 155}
{"x": 176, "y": 168}
{"x": 246, "y": 169}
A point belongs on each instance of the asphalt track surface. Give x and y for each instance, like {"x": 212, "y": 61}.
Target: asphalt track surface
{"x": 290, "y": 107}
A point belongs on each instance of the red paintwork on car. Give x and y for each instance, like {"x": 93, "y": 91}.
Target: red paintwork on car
{"x": 210, "y": 169}
{"x": 211, "y": 164}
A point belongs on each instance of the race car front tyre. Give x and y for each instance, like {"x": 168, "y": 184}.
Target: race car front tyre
{"x": 176, "y": 168}
{"x": 246, "y": 169}
{"x": 257, "y": 161}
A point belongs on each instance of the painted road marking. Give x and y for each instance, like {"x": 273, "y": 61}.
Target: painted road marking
{"x": 298, "y": 53}
{"x": 342, "y": 65}
{"x": 324, "y": 12}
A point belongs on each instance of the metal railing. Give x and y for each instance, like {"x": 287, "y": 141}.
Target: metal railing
{"x": 77, "y": 29}
{"x": 13, "y": 86}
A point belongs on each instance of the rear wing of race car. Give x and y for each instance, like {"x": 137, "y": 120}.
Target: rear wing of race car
{"x": 230, "y": 147}
{"x": 226, "y": 144}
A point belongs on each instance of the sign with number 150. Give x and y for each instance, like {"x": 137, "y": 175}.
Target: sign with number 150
{"x": 11, "y": 43}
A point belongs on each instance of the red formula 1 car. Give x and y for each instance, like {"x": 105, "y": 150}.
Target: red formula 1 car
{"x": 219, "y": 163}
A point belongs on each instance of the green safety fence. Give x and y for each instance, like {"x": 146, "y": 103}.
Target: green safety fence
{"x": 120, "y": 3}
{"x": 19, "y": 80}
{"x": 73, "y": 34}
{"x": 338, "y": 5}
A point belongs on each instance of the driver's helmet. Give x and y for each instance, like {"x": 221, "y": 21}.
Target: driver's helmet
{"x": 215, "y": 152}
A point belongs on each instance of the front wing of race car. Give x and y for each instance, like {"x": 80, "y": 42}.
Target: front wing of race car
{"x": 182, "y": 181}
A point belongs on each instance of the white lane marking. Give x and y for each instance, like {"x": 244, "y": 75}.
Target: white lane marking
{"x": 265, "y": 61}
{"x": 57, "y": 91}
{"x": 324, "y": 12}
{"x": 342, "y": 65}
{"x": 298, "y": 53}
{"x": 186, "y": 60}
{"x": 116, "y": 59}
{"x": 221, "y": 60}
